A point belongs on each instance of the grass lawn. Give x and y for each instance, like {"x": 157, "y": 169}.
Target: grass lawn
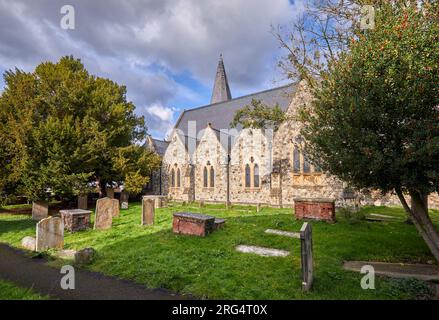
{"x": 9, "y": 291}
{"x": 211, "y": 268}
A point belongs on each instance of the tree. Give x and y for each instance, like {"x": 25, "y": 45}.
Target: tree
{"x": 259, "y": 115}
{"x": 62, "y": 128}
{"x": 374, "y": 120}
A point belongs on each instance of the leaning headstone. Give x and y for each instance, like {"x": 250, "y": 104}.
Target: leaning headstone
{"x": 148, "y": 211}
{"x": 307, "y": 256}
{"x": 124, "y": 196}
{"x": 50, "y": 234}
{"x": 40, "y": 210}
{"x": 29, "y": 243}
{"x": 82, "y": 202}
{"x": 104, "y": 213}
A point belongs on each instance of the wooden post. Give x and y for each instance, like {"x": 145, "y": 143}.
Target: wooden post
{"x": 307, "y": 256}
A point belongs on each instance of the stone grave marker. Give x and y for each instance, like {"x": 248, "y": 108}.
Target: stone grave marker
{"x": 82, "y": 201}
{"x": 124, "y": 197}
{"x": 148, "y": 211}
{"x": 50, "y": 234}
{"x": 307, "y": 256}
{"x": 40, "y": 210}
{"x": 104, "y": 213}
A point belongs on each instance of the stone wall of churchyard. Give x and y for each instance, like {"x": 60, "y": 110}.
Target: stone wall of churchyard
{"x": 282, "y": 177}
{"x": 176, "y": 159}
{"x": 210, "y": 156}
{"x": 251, "y": 150}
{"x": 290, "y": 179}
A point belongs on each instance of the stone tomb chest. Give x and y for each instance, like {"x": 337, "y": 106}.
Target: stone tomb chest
{"x": 76, "y": 219}
{"x": 193, "y": 224}
{"x": 315, "y": 209}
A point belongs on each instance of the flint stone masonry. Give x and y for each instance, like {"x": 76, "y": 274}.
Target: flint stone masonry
{"x": 104, "y": 213}
{"x": 148, "y": 211}
{"x": 261, "y": 251}
{"x": 315, "y": 209}
{"x": 76, "y": 219}
{"x": 40, "y": 210}
{"x": 193, "y": 224}
{"x": 50, "y": 234}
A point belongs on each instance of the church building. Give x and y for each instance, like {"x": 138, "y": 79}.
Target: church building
{"x": 206, "y": 160}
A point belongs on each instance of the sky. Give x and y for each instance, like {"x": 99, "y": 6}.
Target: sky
{"x": 164, "y": 51}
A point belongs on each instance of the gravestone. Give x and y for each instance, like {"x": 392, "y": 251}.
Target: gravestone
{"x": 110, "y": 193}
{"x": 193, "y": 224}
{"x": 76, "y": 219}
{"x": 50, "y": 234}
{"x": 124, "y": 197}
{"x": 159, "y": 201}
{"x": 148, "y": 211}
{"x": 201, "y": 204}
{"x": 82, "y": 202}
{"x": 104, "y": 213}
{"x": 40, "y": 210}
{"x": 258, "y": 207}
{"x": 307, "y": 256}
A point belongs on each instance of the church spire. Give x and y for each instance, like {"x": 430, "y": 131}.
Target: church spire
{"x": 221, "y": 90}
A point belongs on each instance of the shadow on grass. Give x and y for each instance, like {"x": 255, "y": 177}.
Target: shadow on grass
{"x": 16, "y": 225}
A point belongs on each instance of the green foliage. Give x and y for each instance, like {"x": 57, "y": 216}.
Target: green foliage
{"x": 259, "y": 116}
{"x": 210, "y": 267}
{"x": 416, "y": 289}
{"x": 61, "y": 127}
{"x": 375, "y": 119}
{"x": 351, "y": 216}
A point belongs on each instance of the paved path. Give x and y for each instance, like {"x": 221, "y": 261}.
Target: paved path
{"x": 424, "y": 272}
{"x": 26, "y": 272}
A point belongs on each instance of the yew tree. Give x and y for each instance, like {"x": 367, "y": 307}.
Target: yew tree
{"x": 374, "y": 120}
{"x": 63, "y": 128}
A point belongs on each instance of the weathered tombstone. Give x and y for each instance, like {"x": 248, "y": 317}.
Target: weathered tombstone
{"x": 159, "y": 201}
{"x": 116, "y": 208}
{"x": 124, "y": 197}
{"x": 50, "y": 234}
{"x": 307, "y": 256}
{"x": 40, "y": 210}
{"x": 104, "y": 213}
{"x": 110, "y": 193}
{"x": 201, "y": 204}
{"x": 76, "y": 219}
{"x": 82, "y": 201}
{"x": 148, "y": 211}
{"x": 258, "y": 207}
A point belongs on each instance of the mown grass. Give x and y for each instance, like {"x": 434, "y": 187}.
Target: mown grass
{"x": 211, "y": 268}
{"x": 9, "y": 291}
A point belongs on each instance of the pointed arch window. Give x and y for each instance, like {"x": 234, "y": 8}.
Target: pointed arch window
{"x": 212, "y": 177}
{"x": 301, "y": 163}
{"x": 178, "y": 178}
{"x": 296, "y": 160}
{"x": 172, "y": 178}
{"x": 256, "y": 176}
{"x": 247, "y": 176}
{"x": 205, "y": 177}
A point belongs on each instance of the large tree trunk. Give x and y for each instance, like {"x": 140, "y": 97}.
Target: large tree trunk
{"x": 420, "y": 218}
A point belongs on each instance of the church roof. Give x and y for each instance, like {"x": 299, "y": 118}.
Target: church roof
{"x": 221, "y": 89}
{"x": 221, "y": 114}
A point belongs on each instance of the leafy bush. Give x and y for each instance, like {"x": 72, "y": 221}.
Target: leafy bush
{"x": 351, "y": 216}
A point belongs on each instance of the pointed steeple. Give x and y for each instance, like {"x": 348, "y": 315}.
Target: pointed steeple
{"x": 221, "y": 90}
